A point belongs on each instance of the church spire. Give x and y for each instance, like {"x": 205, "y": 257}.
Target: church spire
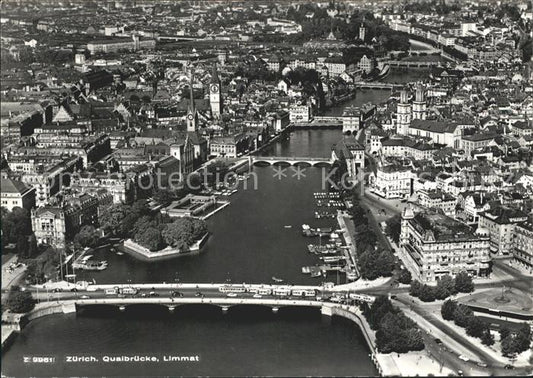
{"x": 191, "y": 94}
{"x": 192, "y": 116}
{"x": 214, "y": 74}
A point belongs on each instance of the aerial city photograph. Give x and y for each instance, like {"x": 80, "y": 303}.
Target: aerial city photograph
{"x": 266, "y": 188}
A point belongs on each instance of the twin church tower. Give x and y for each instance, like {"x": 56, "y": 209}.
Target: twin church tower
{"x": 215, "y": 101}
{"x": 406, "y": 111}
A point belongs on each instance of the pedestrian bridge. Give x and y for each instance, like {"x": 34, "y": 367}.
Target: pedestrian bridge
{"x": 290, "y": 160}
{"x": 377, "y": 85}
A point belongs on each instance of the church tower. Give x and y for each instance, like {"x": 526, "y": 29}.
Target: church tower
{"x": 419, "y": 104}
{"x": 362, "y": 30}
{"x": 214, "y": 94}
{"x": 403, "y": 114}
{"x": 192, "y": 115}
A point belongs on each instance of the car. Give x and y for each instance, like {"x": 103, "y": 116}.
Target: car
{"x": 199, "y": 294}
{"x": 509, "y": 367}
{"x": 438, "y": 341}
{"x": 232, "y": 295}
{"x": 154, "y": 294}
{"x": 257, "y": 296}
{"x": 460, "y": 373}
{"x": 57, "y": 290}
{"x": 176, "y": 294}
{"x": 144, "y": 295}
{"x": 464, "y": 358}
{"x": 481, "y": 364}
{"x": 85, "y": 297}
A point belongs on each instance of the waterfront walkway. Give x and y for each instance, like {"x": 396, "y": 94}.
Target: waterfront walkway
{"x": 346, "y": 225}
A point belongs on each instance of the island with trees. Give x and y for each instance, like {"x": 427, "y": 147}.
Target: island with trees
{"x": 153, "y": 235}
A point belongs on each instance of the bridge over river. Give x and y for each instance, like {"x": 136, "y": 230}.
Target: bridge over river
{"x": 290, "y": 160}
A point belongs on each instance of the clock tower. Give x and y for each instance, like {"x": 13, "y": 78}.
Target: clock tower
{"x": 192, "y": 116}
{"x": 214, "y": 94}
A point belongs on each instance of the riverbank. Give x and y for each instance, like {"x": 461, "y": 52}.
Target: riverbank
{"x": 138, "y": 251}
{"x": 391, "y": 364}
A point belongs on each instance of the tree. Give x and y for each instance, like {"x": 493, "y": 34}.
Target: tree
{"x": 87, "y": 237}
{"x": 22, "y": 245}
{"x": 448, "y": 309}
{"x": 445, "y": 287}
{"x": 463, "y": 283}
{"x": 504, "y": 332}
{"x": 405, "y": 276}
{"x": 381, "y": 306}
{"x": 14, "y": 224}
{"x": 20, "y": 301}
{"x": 163, "y": 197}
{"x": 394, "y": 227}
{"x": 487, "y": 338}
{"x": 112, "y": 217}
{"x": 427, "y": 293}
{"x": 34, "y": 272}
{"x": 415, "y": 288}
{"x": 508, "y": 345}
{"x": 183, "y": 232}
{"x": 475, "y": 327}
{"x": 523, "y": 338}
{"x": 461, "y": 315}
{"x": 150, "y": 238}
{"x": 32, "y": 247}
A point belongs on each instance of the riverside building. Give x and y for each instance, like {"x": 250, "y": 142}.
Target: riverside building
{"x": 434, "y": 245}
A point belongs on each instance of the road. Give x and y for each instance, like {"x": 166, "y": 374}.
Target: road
{"x": 468, "y": 367}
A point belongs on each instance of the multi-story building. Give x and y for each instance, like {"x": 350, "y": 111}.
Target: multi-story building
{"x": 469, "y": 143}
{"x": 351, "y": 119}
{"x": 434, "y": 245}
{"x": 116, "y": 184}
{"x": 500, "y": 224}
{"x": 350, "y": 152}
{"x": 15, "y": 193}
{"x": 523, "y": 246}
{"x": 48, "y": 181}
{"x": 393, "y": 181}
{"x": 118, "y": 44}
{"x": 366, "y": 64}
{"x": 437, "y": 200}
{"x": 49, "y": 225}
{"x": 300, "y": 113}
{"x": 230, "y": 146}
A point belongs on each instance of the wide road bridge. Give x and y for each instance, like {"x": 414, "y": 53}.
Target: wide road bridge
{"x": 290, "y": 160}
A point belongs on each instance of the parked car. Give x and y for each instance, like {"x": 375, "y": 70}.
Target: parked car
{"x": 85, "y": 297}
{"x": 464, "y": 358}
{"x": 438, "y": 341}
{"x": 154, "y": 294}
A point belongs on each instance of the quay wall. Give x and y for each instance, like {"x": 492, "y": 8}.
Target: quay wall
{"x": 19, "y": 321}
{"x": 385, "y": 363}
{"x": 137, "y": 250}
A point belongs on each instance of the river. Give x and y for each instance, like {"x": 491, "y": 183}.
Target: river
{"x": 249, "y": 243}
{"x": 377, "y": 96}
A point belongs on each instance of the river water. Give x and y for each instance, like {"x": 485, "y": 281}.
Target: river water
{"x": 249, "y": 243}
